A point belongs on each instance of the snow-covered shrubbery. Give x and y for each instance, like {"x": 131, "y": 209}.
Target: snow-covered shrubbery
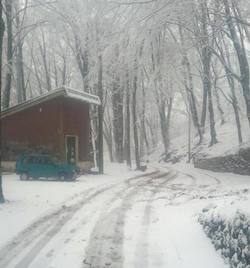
{"x": 230, "y": 236}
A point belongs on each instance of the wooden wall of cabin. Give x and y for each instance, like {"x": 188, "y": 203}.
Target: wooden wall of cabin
{"x": 33, "y": 129}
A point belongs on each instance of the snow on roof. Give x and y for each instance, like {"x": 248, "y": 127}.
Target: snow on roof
{"x": 62, "y": 91}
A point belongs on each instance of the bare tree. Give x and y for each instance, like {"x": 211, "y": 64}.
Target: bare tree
{"x": 7, "y": 90}
{"x": 238, "y": 42}
{"x": 134, "y": 115}
{"x": 2, "y": 28}
{"x": 127, "y": 144}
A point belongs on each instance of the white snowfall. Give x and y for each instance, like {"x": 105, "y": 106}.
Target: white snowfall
{"x": 120, "y": 219}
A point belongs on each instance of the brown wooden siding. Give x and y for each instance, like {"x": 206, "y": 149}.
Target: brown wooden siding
{"x": 44, "y": 126}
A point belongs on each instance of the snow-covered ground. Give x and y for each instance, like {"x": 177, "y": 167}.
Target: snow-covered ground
{"x": 121, "y": 219}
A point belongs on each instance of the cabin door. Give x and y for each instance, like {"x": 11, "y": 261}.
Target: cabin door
{"x": 71, "y": 149}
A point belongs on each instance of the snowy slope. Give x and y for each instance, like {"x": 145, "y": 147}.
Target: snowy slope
{"x": 227, "y": 142}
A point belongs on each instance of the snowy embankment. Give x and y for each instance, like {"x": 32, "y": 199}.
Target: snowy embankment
{"x": 229, "y": 231}
{"x": 224, "y": 156}
{"x": 226, "y": 219}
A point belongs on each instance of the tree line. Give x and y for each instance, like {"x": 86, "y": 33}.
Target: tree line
{"x": 151, "y": 62}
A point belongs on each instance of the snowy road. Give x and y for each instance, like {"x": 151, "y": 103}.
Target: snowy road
{"x": 148, "y": 220}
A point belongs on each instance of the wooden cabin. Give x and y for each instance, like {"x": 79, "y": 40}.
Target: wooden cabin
{"x": 57, "y": 123}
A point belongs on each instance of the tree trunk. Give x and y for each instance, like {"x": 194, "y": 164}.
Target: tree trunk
{"x": 235, "y": 106}
{"x": 143, "y": 126}
{"x": 93, "y": 135}
{"x": 226, "y": 62}
{"x": 127, "y": 125}
{"x": 206, "y": 79}
{"x": 207, "y": 87}
{"x": 117, "y": 105}
{"x": 189, "y": 86}
{"x": 100, "y": 118}
{"x": 152, "y": 134}
{"x": 221, "y": 112}
{"x": 21, "y": 91}
{"x": 134, "y": 115}
{"x": 242, "y": 58}
{"x": 204, "y": 110}
{"x": 55, "y": 73}
{"x": 108, "y": 138}
{"x": 193, "y": 102}
{"x": 45, "y": 63}
{"x": 20, "y": 85}
{"x": 64, "y": 71}
{"x": 1, "y": 50}
{"x": 39, "y": 82}
{"x": 6, "y": 95}
{"x": 82, "y": 61}
{"x": 165, "y": 123}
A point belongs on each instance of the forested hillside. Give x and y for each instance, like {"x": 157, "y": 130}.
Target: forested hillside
{"x": 163, "y": 68}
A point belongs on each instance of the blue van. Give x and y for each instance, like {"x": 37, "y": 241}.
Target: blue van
{"x": 34, "y": 166}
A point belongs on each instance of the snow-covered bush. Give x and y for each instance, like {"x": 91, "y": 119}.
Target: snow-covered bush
{"x": 230, "y": 236}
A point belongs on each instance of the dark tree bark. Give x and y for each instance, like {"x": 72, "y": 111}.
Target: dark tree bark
{"x": 221, "y": 112}
{"x": 100, "y": 117}
{"x": 36, "y": 72}
{"x": 127, "y": 145}
{"x": 152, "y": 133}
{"x": 64, "y": 71}
{"x": 235, "y": 105}
{"x": 143, "y": 126}
{"x": 21, "y": 90}
{"x": 216, "y": 93}
{"x": 193, "y": 104}
{"x": 204, "y": 109}
{"x": 241, "y": 55}
{"x": 1, "y": 50}
{"x": 82, "y": 61}
{"x": 165, "y": 121}
{"x": 55, "y": 73}
{"x": 206, "y": 56}
{"x": 134, "y": 115}
{"x": 6, "y": 94}
{"x": 224, "y": 57}
{"x": 207, "y": 88}
{"x": 117, "y": 105}
{"x": 20, "y": 84}
{"x": 189, "y": 86}
{"x": 109, "y": 141}
{"x": 43, "y": 51}
{"x": 234, "y": 100}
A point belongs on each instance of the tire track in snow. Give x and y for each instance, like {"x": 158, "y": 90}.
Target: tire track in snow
{"x": 37, "y": 235}
{"x": 141, "y": 253}
{"x": 105, "y": 248}
{"x": 42, "y": 230}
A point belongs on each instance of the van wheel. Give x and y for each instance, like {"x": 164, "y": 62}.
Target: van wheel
{"x": 24, "y": 176}
{"x": 62, "y": 176}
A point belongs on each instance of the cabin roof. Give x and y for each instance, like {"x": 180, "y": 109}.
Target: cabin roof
{"x": 62, "y": 91}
